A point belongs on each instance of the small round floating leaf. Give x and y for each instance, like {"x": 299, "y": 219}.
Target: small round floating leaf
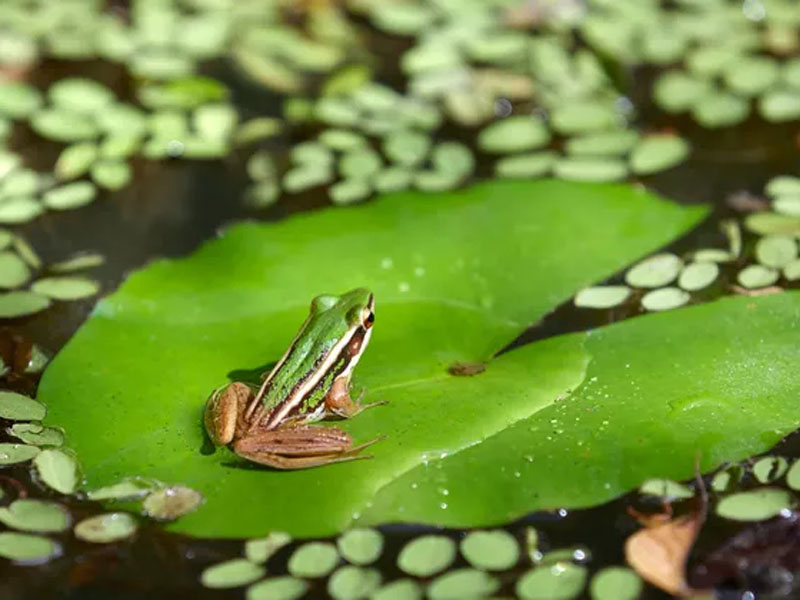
{"x": 118, "y": 146}
{"x": 491, "y": 550}
{"x": 337, "y": 111}
{"x": 168, "y": 504}
{"x": 427, "y": 555}
{"x": 342, "y": 140}
{"x": 755, "y": 505}
{"x": 306, "y": 177}
{"x": 35, "y": 434}
{"x": 776, "y": 250}
{"x": 9, "y": 161}
{"x": 602, "y": 296}
{"x": 16, "y": 407}
{"x": 658, "y": 153}
{"x": 311, "y": 153}
{"x": 79, "y": 95}
{"x": 406, "y": 147}
{"x": 521, "y": 166}
{"x": 654, "y": 271}
{"x": 63, "y": 126}
{"x": 57, "y": 469}
{"x": 75, "y": 160}
{"x": 787, "y": 205}
{"x": 20, "y": 182}
{"x": 752, "y": 75}
{"x": 18, "y": 99}
{"x": 436, "y": 181}
{"x": 462, "y": 583}
{"x": 792, "y": 270}
{"x": 561, "y": 581}
{"x": 35, "y": 515}
{"x": 665, "y": 298}
{"x": 793, "y": 476}
{"x": 604, "y": 143}
{"x": 106, "y": 528}
{"x": 122, "y": 120}
{"x": 762, "y": 223}
{"x": 454, "y": 158}
{"x": 216, "y": 120}
{"x": 261, "y": 549}
{"x": 615, "y": 583}
{"x": 231, "y": 573}
{"x": 590, "y": 169}
{"x": 666, "y": 488}
{"x": 783, "y": 185}
{"x": 720, "y": 109}
{"x": 360, "y": 164}
{"x": 70, "y": 195}
{"x": 277, "y": 588}
{"x": 698, "y": 275}
{"x": 260, "y": 166}
{"x": 16, "y": 453}
{"x": 25, "y": 548}
{"x": 26, "y": 252}
{"x": 757, "y": 276}
{"x": 353, "y": 583}
{"x": 127, "y": 489}
{"x": 66, "y": 288}
{"x": 257, "y": 129}
{"x": 393, "y": 179}
{"x": 111, "y": 174}
{"x": 770, "y": 468}
{"x": 13, "y": 270}
{"x": 360, "y": 546}
{"x": 400, "y": 589}
{"x": 777, "y": 106}
{"x": 513, "y": 134}
{"x": 262, "y": 194}
{"x": 350, "y": 190}
{"x": 315, "y": 559}
{"x": 19, "y": 210}
{"x": 20, "y": 304}
{"x": 583, "y": 117}
{"x": 711, "y": 60}
{"x": 77, "y": 263}
{"x": 727, "y": 479}
{"x": 677, "y": 91}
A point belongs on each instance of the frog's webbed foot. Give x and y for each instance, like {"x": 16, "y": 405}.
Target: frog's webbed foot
{"x": 300, "y": 447}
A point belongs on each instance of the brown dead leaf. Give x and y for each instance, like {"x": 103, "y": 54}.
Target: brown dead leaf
{"x": 765, "y": 291}
{"x": 658, "y": 554}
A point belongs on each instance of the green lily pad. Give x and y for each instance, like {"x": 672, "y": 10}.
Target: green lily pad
{"x": 515, "y": 221}
{"x": 655, "y": 271}
{"x": 755, "y": 505}
{"x": 427, "y": 555}
{"x": 16, "y": 407}
{"x": 16, "y": 453}
{"x": 170, "y": 503}
{"x": 462, "y": 583}
{"x": 106, "y": 528}
{"x": 666, "y": 488}
{"x": 770, "y": 468}
{"x": 277, "y": 588}
{"x": 66, "y": 288}
{"x": 57, "y": 469}
{"x": 602, "y": 296}
{"x": 698, "y": 275}
{"x": 776, "y": 250}
{"x": 35, "y": 434}
{"x": 757, "y": 276}
{"x": 513, "y": 134}
{"x": 20, "y": 304}
{"x": 665, "y": 298}
{"x": 34, "y": 515}
{"x": 361, "y": 546}
{"x": 27, "y": 549}
{"x": 491, "y": 550}
{"x": 315, "y": 559}
{"x": 658, "y": 153}
{"x": 560, "y": 581}
{"x": 261, "y": 549}
{"x": 400, "y": 589}
{"x": 231, "y": 573}
{"x": 353, "y": 583}
{"x": 615, "y": 583}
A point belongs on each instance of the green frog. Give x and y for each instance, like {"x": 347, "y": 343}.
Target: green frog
{"x": 272, "y": 425}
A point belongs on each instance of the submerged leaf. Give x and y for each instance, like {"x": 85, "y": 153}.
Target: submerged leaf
{"x": 106, "y": 528}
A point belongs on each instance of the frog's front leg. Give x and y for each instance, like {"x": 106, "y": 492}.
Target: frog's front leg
{"x": 224, "y": 413}
{"x": 339, "y": 402}
{"x": 299, "y": 446}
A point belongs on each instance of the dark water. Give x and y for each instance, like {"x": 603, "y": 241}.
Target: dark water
{"x": 174, "y": 206}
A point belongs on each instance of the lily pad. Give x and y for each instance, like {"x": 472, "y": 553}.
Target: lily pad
{"x": 231, "y": 573}
{"x": 16, "y": 453}
{"x": 513, "y": 223}
{"x": 25, "y": 548}
{"x": 361, "y": 546}
{"x": 755, "y": 505}
{"x": 34, "y": 515}
{"x": 58, "y": 469}
{"x": 106, "y": 528}
{"x": 491, "y": 550}
{"x": 16, "y": 407}
{"x": 427, "y": 555}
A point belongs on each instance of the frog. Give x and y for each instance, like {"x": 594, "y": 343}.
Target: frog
{"x": 274, "y": 425}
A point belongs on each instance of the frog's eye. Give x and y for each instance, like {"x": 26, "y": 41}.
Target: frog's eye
{"x": 368, "y": 318}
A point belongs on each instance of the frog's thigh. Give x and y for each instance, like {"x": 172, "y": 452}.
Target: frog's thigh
{"x": 298, "y": 440}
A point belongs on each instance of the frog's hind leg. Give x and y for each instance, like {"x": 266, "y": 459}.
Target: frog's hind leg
{"x": 299, "y": 447}
{"x": 339, "y": 402}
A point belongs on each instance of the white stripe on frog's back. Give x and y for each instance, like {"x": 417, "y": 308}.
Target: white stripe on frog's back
{"x": 306, "y": 387}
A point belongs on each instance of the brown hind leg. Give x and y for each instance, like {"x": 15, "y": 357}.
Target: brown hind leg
{"x": 299, "y": 447}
